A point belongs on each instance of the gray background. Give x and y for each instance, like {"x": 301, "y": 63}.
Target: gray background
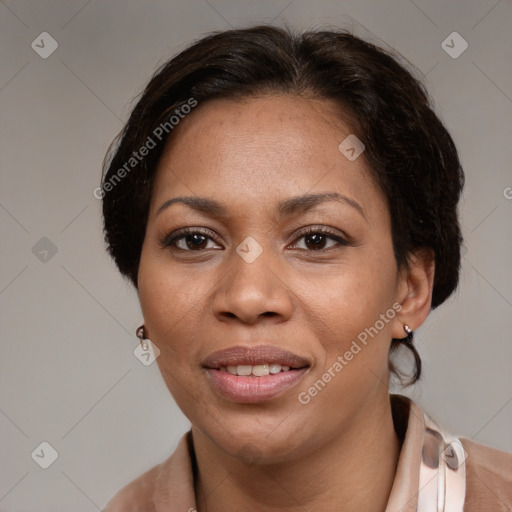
{"x": 68, "y": 373}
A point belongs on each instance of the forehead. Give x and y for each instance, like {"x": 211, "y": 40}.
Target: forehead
{"x": 260, "y": 149}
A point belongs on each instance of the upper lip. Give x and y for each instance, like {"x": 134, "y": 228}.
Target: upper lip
{"x": 261, "y": 354}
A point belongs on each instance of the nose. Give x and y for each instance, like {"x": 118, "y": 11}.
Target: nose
{"x": 252, "y": 289}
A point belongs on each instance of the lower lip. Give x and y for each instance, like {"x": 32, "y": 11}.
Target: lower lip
{"x": 242, "y": 389}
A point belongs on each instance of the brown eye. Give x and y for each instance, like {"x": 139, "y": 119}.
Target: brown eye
{"x": 194, "y": 241}
{"x": 315, "y": 239}
{"x": 188, "y": 240}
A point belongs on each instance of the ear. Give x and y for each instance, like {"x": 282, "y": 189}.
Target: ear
{"x": 414, "y": 291}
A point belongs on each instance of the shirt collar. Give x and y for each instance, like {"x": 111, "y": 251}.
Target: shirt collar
{"x": 410, "y": 426}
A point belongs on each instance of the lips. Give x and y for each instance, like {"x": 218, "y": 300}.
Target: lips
{"x": 236, "y": 373}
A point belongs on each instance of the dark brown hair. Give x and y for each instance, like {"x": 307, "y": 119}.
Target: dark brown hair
{"x": 408, "y": 151}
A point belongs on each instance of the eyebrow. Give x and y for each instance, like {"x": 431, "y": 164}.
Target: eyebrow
{"x": 286, "y": 208}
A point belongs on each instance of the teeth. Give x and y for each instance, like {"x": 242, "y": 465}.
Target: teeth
{"x": 258, "y": 370}
{"x": 275, "y": 368}
{"x": 244, "y": 369}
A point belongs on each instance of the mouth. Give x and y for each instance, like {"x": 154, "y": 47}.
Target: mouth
{"x": 255, "y": 374}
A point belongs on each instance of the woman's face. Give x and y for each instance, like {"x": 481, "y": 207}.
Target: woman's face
{"x": 247, "y": 278}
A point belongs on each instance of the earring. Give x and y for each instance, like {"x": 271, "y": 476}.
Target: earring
{"x": 141, "y": 334}
{"x": 409, "y": 332}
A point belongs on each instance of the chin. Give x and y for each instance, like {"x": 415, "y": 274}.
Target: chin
{"x": 265, "y": 443}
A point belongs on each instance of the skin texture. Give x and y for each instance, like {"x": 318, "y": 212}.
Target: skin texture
{"x": 339, "y": 451}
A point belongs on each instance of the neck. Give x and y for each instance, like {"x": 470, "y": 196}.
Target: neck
{"x": 353, "y": 469}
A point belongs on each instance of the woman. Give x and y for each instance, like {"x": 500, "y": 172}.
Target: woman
{"x": 286, "y": 207}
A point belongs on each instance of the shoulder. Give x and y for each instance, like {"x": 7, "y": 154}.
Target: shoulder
{"x": 167, "y": 486}
{"x": 488, "y": 478}
{"x": 137, "y": 496}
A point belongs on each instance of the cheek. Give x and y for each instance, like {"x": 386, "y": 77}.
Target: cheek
{"x": 353, "y": 346}
{"x": 170, "y": 310}
{"x": 352, "y": 296}
{"x": 345, "y": 306}
{"x": 168, "y": 306}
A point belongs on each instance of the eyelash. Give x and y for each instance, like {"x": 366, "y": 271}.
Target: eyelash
{"x": 170, "y": 239}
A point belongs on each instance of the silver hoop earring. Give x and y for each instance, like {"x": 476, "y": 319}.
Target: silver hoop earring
{"x": 141, "y": 334}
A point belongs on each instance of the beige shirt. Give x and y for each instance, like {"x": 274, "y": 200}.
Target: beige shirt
{"x": 436, "y": 472}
